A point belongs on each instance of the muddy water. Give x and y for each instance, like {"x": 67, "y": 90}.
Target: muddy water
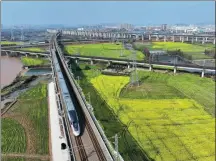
{"x": 10, "y": 67}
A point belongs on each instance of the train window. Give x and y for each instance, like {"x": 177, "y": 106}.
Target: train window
{"x": 75, "y": 125}
{"x": 63, "y": 146}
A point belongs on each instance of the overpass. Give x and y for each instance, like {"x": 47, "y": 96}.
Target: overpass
{"x": 24, "y": 53}
{"x": 89, "y": 41}
{"x": 203, "y": 38}
{"x": 139, "y": 63}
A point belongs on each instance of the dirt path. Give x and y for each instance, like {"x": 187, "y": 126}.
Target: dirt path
{"x": 23, "y": 155}
{"x": 29, "y": 131}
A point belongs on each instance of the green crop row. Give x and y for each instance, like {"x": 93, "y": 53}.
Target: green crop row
{"x": 13, "y": 136}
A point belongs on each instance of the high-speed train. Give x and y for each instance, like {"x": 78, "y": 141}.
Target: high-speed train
{"x": 71, "y": 111}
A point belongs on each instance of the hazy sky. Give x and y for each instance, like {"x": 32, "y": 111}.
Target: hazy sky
{"x": 76, "y": 13}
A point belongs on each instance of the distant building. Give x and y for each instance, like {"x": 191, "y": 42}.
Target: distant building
{"x": 80, "y": 29}
{"x": 164, "y": 27}
{"x": 126, "y": 26}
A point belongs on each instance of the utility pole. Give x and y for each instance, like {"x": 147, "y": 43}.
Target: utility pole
{"x": 121, "y": 54}
{"x": 134, "y": 76}
{"x": 116, "y": 147}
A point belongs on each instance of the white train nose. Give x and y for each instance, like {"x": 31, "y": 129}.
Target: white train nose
{"x": 76, "y": 133}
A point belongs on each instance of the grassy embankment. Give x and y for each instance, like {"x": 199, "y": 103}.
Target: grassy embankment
{"x": 172, "y": 125}
{"x": 27, "y": 61}
{"x": 194, "y": 50}
{"x": 169, "y": 126}
{"x": 29, "y": 119}
{"x": 102, "y": 50}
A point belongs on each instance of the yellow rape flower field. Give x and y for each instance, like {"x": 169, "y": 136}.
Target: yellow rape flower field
{"x": 166, "y": 129}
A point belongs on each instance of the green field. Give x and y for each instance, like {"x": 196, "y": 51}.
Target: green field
{"x": 12, "y": 159}
{"x": 33, "y": 49}
{"x": 192, "y": 86}
{"x": 128, "y": 146}
{"x": 33, "y": 104}
{"x": 102, "y": 50}
{"x": 13, "y": 136}
{"x": 195, "y": 50}
{"x": 148, "y": 91}
{"x": 10, "y": 43}
{"x": 31, "y": 109}
{"x": 174, "y": 128}
{"x": 27, "y": 61}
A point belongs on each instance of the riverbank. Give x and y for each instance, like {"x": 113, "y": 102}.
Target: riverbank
{"x": 12, "y": 67}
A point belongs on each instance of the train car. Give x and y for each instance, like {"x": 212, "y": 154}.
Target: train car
{"x": 71, "y": 111}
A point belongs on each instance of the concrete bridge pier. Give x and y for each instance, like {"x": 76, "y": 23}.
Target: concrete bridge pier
{"x": 187, "y": 38}
{"x": 203, "y": 73}
{"x": 7, "y": 54}
{"x": 203, "y": 41}
{"x": 157, "y": 38}
{"x": 196, "y": 39}
{"x": 182, "y": 40}
{"x": 150, "y": 67}
{"x": 149, "y": 37}
{"x": 173, "y": 38}
{"x": 76, "y": 61}
{"x": 175, "y": 70}
{"x": 214, "y": 41}
{"x": 165, "y": 38}
{"x": 91, "y": 62}
{"x": 128, "y": 65}
{"x": 36, "y": 56}
{"x": 192, "y": 40}
{"x": 26, "y": 55}
{"x": 109, "y": 63}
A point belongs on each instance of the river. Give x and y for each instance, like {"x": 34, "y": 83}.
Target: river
{"x": 10, "y": 68}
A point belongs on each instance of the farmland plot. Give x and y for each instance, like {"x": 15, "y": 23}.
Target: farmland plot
{"x": 176, "y": 128}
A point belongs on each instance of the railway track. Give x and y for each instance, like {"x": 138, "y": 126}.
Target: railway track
{"x": 85, "y": 147}
{"x": 95, "y": 142}
{"x": 81, "y": 150}
{"x": 64, "y": 119}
